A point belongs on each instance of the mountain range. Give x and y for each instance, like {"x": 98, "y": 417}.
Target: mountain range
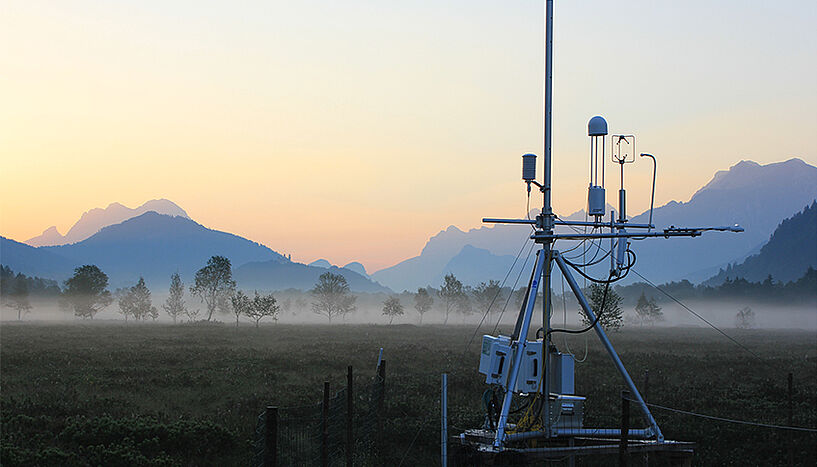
{"x": 154, "y": 246}
{"x": 94, "y": 220}
{"x": 127, "y": 243}
{"x": 758, "y": 197}
{"x": 790, "y": 252}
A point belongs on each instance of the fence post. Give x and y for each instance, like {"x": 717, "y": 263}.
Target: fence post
{"x": 791, "y": 419}
{"x": 271, "y": 437}
{"x": 444, "y": 424}
{"x": 381, "y": 373}
{"x": 350, "y": 416}
{"x": 325, "y": 426}
{"x": 625, "y": 428}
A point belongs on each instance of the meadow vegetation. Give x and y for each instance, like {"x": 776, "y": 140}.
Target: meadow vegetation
{"x": 107, "y": 393}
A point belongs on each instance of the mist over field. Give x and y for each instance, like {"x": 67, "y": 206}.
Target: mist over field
{"x": 369, "y": 310}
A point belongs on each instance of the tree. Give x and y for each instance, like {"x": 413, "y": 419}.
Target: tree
{"x": 422, "y": 302}
{"x": 519, "y": 297}
{"x": 487, "y": 294}
{"x": 136, "y": 302}
{"x": 240, "y": 304}
{"x": 610, "y": 316}
{"x": 332, "y": 297}
{"x": 647, "y": 310}
{"x": 450, "y": 293}
{"x": 87, "y": 291}
{"x": 214, "y": 284}
{"x": 19, "y": 296}
{"x": 392, "y": 307}
{"x": 192, "y": 314}
{"x": 124, "y": 300}
{"x": 174, "y": 305}
{"x": 261, "y": 307}
{"x": 745, "y": 318}
{"x": 465, "y": 305}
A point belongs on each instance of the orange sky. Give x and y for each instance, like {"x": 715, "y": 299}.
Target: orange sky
{"x": 355, "y": 132}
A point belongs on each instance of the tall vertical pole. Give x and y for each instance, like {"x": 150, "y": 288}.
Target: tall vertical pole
{"x": 350, "y": 417}
{"x": 548, "y": 103}
{"x": 547, "y": 210}
{"x": 623, "y": 457}
{"x": 325, "y": 425}
{"x": 791, "y": 418}
{"x": 444, "y": 422}
{"x": 271, "y": 437}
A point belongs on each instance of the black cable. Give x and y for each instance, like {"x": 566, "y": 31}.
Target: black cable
{"x": 495, "y": 296}
{"x": 684, "y": 306}
{"x": 508, "y": 300}
{"x": 696, "y": 314}
{"x": 594, "y": 261}
{"x": 591, "y": 326}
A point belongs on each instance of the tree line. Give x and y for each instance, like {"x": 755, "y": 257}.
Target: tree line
{"x": 86, "y": 293}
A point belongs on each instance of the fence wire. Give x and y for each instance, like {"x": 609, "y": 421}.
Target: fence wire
{"x": 300, "y": 430}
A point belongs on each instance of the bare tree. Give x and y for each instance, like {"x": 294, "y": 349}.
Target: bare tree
{"x": 392, "y": 307}
{"x": 451, "y": 293}
{"x": 332, "y": 297}
{"x": 745, "y": 318}
{"x": 423, "y": 302}
{"x": 174, "y": 305}
{"x": 256, "y": 308}
{"x": 240, "y": 304}
{"x": 214, "y": 284}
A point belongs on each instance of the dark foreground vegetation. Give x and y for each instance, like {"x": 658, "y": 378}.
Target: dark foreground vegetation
{"x": 111, "y": 394}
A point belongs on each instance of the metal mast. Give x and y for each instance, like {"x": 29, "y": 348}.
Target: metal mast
{"x": 506, "y": 360}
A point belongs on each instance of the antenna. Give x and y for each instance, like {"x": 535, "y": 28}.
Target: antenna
{"x": 535, "y": 372}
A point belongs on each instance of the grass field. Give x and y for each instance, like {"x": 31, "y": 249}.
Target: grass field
{"x": 155, "y": 394}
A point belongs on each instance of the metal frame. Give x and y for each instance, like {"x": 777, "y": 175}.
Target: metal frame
{"x": 544, "y": 234}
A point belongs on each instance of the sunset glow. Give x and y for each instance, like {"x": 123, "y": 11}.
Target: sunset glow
{"x": 354, "y": 131}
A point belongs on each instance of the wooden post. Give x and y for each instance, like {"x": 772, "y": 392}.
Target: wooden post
{"x": 271, "y": 437}
{"x": 444, "y": 422}
{"x": 625, "y": 428}
{"x": 325, "y": 426}
{"x": 350, "y": 416}
{"x": 381, "y": 372}
{"x": 791, "y": 419}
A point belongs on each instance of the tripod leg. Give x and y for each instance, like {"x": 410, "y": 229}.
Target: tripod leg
{"x": 577, "y": 291}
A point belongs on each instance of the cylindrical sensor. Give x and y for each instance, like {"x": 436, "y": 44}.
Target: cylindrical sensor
{"x": 595, "y": 201}
{"x": 622, "y": 205}
{"x": 529, "y": 167}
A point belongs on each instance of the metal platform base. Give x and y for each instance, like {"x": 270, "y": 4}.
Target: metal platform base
{"x": 475, "y": 448}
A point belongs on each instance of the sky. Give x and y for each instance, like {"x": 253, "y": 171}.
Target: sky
{"x": 355, "y": 130}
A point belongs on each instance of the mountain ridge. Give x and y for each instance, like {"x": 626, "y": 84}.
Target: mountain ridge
{"x": 94, "y": 220}
{"x": 756, "y": 196}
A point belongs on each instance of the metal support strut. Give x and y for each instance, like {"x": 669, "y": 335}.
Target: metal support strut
{"x": 518, "y": 352}
{"x": 577, "y": 291}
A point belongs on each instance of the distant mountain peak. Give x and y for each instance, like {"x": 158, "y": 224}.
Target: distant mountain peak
{"x": 357, "y": 267}
{"x": 50, "y": 236}
{"x": 320, "y": 263}
{"x": 94, "y": 220}
{"x": 747, "y": 173}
